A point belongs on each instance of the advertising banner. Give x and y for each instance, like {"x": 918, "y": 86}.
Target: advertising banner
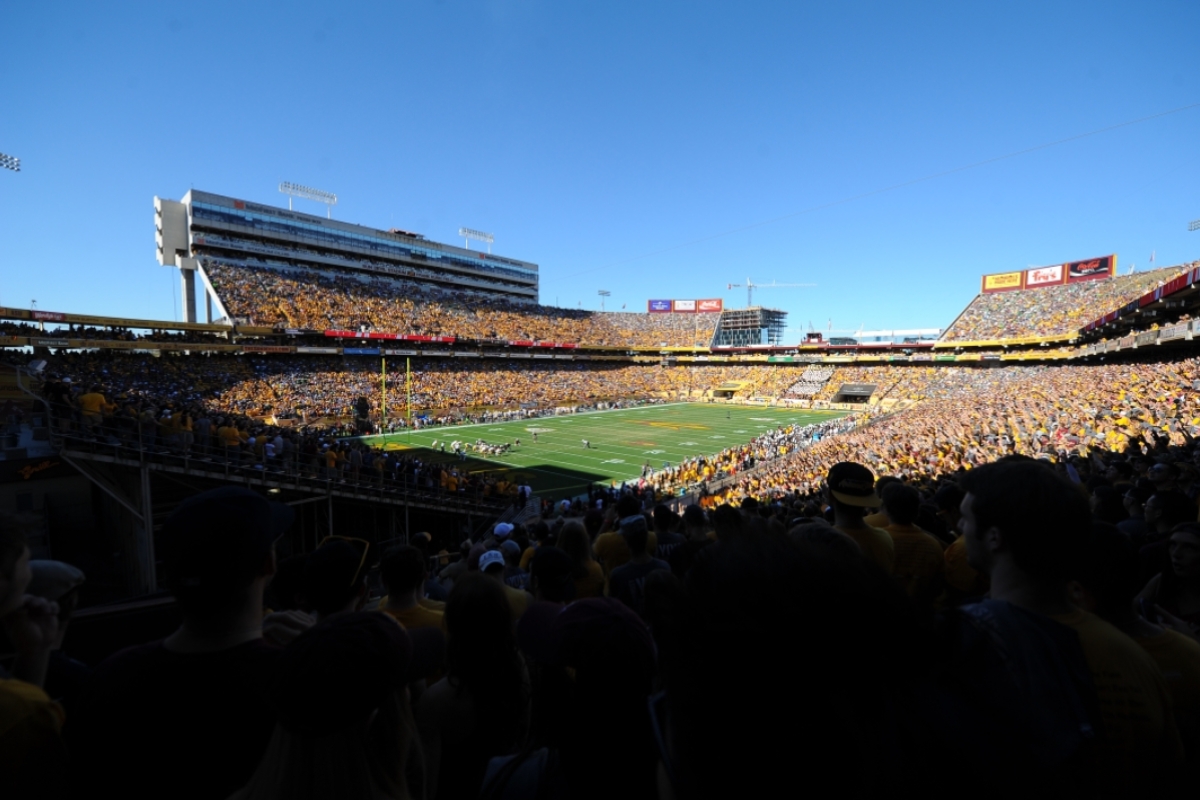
{"x": 51, "y": 342}
{"x": 1092, "y": 269}
{"x": 344, "y": 334}
{"x": 709, "y": 305}
{"x": 1002, "y": 282}
{"x": 466, "y": 354}
{"x": 658, "y": 306}
{"x": 1044, "y": 276}
{"x": 684, "y": 306}
{"x": 48, "y": 316}
{"x": 1127, "y": 342}
{"x": 1147, "y": 337}
{"x": 361, "y": 351}
{"x": 318, "y": 351}
{"x": 521, "y": 343}
{"x": 13, "y": 340}
{"x": 399, "y": 352}
{"x": 267, "y": 348}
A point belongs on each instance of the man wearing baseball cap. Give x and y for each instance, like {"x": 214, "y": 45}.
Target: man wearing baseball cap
{"x": 850, "y": 489}
{"x": 188, "y": 714}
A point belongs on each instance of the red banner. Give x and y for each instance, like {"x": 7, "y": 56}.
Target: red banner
{"x": 709, "y": 305}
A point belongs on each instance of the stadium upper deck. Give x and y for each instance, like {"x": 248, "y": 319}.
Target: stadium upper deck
{"x": 1049, "y": 312}
{"x": 239, "y": 231}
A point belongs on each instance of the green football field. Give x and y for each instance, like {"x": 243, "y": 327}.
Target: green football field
{"x": 622, "y": 440}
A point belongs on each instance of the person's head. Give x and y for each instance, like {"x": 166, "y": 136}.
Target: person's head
{"x": 15, "y": 573}
{"x": 573, "y": 540}
{"x": 1108, "y": 572}
{"x": 481, "y": 652}
{"x": 730, "y": 615}
{"x": 628, "y": 505}
{"x": 402, "y": 570}
{"x": 491, "y": 563}
{"x": 693, "y": 520}
{"x": 850, "y": 488}
{"x": 218, "y": 553}
{"x": 345, "y": 726}
{"x": 1108, "y": 505}
{"x": 552, "y": 575}
{"x": 1162, "y": 473}
{"x": 901, "y": 503}
{"x": 1022, "y": 513}
{"x": 1184, "y": 547}
{"x": 335, "y": 575}
{"x": 636, "y": 533}
{"x": 820, "y": 533}
{"x": 1167, "y": 508}
{"x": 948, "y": 499}
{"x": 664, "y": 518}
{"x": 727, "y": 522}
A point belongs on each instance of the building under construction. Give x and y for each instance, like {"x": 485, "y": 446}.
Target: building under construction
{"x": 746, "y": 327}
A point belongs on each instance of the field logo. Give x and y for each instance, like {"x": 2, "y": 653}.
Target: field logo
{"x": 540, "y": 430}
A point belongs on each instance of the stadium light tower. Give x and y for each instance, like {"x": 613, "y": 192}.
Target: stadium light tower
{"x": 1194, "y": 225}
{"x": 308, "y": 193}
{"x": 603, "y": 294}
{"x": 479, "y": 236}
{"x": 10, "y": 162}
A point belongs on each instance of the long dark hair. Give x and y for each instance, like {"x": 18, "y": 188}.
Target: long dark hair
{"x": 482, "y": 657}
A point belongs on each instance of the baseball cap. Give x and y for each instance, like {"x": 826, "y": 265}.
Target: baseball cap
{"x": 511, "y": 547}
{"x": 53, "y": 579}
{"x": 337, "y": 673}
{"x": 220, "y": 537}
{"x": 502, "y": 529}
{"x": 489, "y": 559}
{"x": 853, "y": 485}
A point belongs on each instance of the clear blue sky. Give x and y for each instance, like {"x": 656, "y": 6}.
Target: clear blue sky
{"x": 601, "y": 140}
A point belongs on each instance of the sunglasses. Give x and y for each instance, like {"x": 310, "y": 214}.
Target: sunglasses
{"x": 361, "y": 545}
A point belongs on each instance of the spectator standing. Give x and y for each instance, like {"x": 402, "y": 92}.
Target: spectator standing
{"x": 851, "y": 491}
{"x": 151, "y": 716}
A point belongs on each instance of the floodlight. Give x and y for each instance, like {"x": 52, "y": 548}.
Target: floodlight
{"x": 308, "y": 193}
{"x": 479, "y": 236}
{"x": 603, "y": 294}
{"x": 10, "y": 162}
{"x": 1194, "y": 225}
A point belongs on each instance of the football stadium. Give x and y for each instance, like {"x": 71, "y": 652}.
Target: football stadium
{"x": 371, "y": 516}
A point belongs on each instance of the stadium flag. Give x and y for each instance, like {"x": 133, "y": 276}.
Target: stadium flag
{"x": 1151, "y": 256}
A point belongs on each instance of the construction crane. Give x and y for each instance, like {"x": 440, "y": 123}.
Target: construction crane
{"x": 751, "y": 286}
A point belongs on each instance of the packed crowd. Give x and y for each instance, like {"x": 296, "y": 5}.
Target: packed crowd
{"x": 1052, "y": 310}
{"x": 325, "y": 388}
{"x": 1032, "y": 624}
{"x": 333, "y": 300}
{"x": 975, "y": 416}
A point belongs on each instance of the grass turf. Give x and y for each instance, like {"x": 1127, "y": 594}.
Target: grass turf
{"x": 622, "y": 440}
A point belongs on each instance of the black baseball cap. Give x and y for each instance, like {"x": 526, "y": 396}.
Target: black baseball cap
{"x": 853, "y": 485}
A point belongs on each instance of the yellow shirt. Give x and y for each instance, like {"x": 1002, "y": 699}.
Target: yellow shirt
{"x": 30, "y": 724}
{"x": 1137, "y": 725}
{"x": 92, "y": 403}
{"x": 918, "y": 561}
{"x": 1178, "y": 657}
{"x": 417, "y": 617}
{"x": 876, "y": 545}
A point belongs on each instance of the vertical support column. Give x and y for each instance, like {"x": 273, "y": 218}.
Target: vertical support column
{"x": 208, "y": 305}
{"x": 188, "y": 276}
{"x": 146, "y": 579}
